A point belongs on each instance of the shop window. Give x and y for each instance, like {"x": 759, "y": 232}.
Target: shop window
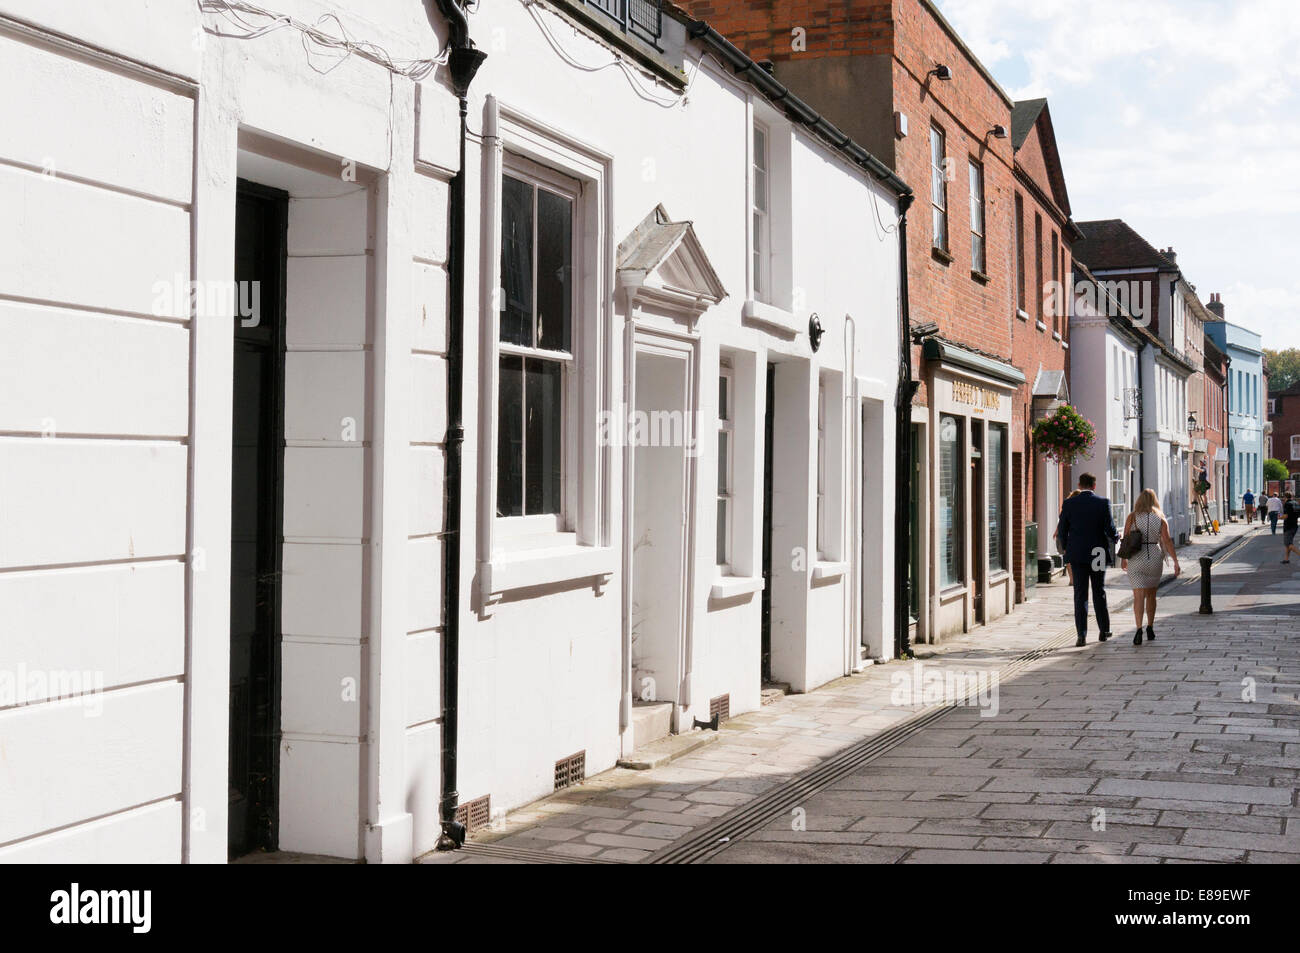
{"x": 952, "y": 473}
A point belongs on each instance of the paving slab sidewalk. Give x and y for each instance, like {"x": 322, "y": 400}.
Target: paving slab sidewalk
{"x": 626, "y": 816}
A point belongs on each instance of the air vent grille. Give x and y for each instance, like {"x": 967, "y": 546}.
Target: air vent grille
{"x": 475, "y": 814}
{"x": 720, "y": 707}
{"x": 569, "y": 771}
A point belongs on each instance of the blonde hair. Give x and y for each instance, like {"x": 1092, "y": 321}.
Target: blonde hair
{"x": 1148, "y": 502}
{"x": 1074, "y": 494}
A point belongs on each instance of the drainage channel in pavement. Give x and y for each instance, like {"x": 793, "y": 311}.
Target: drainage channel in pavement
{"x": 709, "y": 840}
{"x": 715, "y": 837}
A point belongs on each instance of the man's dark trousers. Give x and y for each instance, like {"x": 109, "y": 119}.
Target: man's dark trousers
{"x": 1083, "y": 576}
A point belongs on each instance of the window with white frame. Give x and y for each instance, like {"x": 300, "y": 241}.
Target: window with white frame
{"x": 938, "y": 189}
{"x": 760, "y": 212}
{"x": 1295, "y": 446}
{"x": 977, "y": 216}
{"x": 535, "y": 351}
{"x": 726, "y": 467}
{"x": 1119, "y": 486}
{"x": 822, "y": 535}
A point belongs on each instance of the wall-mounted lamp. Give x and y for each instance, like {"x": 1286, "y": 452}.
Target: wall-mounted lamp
{"x": 922, "y": 331}
{"x": 941, "y": 72}
{"x": 1191, "y": 422}
{"x": 999, "y": 131}
{"x": 815, "y": 331}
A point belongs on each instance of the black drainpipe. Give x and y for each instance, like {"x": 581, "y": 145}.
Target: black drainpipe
{"x": 463, "y": 62}
{"x": 903, "y": 445}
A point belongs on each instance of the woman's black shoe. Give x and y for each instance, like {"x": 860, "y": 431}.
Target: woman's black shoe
{"x": 1137, "y": 637}
{"x": 1151, "y": 633}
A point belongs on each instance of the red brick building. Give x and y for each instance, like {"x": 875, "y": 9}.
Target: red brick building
{"x": 1284, "y": 415}
{"x": 898, "y": 79}
{"x": 1041, "y": 269}
{"x": 1213, "y": 417}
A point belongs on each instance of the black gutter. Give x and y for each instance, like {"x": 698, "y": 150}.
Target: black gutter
{"x": 903, "y": 447}
{"x": 463, "y": 62}
{"x": 795, "y": 108}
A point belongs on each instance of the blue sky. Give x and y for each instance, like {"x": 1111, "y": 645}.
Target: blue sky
{"x": 1181, "y": 117}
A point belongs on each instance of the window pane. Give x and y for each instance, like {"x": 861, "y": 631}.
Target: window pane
{"x": 760, "y": 148}
{"x": 722, "y": 531}
{"x": 760, "y": 190}
{"x": 997, "y": 490}
{"x": 724, "y": 412}
{"x": 516, "y": 261}
{"x": 510, "y": 437}
{"x": 950, "y": 491}
{"x": 542, "y": 436}
{"x": 554, "y": 270}
{"x": 724, "y": 461}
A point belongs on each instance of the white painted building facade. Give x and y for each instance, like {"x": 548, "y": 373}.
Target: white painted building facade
{"x": 1103, "y": 338}
{"x": 685, "y": 232}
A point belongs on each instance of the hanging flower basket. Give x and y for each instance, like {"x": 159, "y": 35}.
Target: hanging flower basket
{"x": 1065, "y": 436}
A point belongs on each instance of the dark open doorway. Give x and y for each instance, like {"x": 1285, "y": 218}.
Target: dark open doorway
{"x": 256, "y": 504}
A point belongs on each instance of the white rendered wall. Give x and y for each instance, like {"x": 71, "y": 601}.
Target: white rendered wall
{"x": 95, "y": 378}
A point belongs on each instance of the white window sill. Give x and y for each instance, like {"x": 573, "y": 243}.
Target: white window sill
{"x": 729, "y": 587}
{"x": 1040, "y": 325}
{"x": 1022, "y": 314}
{"x": 540, "y": 567}
{"x": 823, "y": 571}
{"x": 770, "y": 315}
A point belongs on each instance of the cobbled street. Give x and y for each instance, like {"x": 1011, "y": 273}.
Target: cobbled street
{"x": 1186, "y": 748}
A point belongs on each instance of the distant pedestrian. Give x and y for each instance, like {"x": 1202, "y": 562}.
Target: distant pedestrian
{"x": 1274, "y": 511}
{"x": 1146, "y": 564}
{"x": 1290, "y": 521}
{"x": 1248, "y": 501}
{"x": 1263, "y": 507}
{"x": 1086, "y": 531}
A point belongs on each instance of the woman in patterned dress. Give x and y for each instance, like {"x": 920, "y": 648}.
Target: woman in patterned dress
{"x": 1147, "y": 565}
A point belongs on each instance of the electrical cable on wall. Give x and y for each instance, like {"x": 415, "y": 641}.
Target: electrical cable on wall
{"x": 235, "y": 11}
{"x": 632, "y": 76}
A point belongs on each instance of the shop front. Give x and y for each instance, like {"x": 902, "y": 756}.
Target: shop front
{"x": 969, "y": 579}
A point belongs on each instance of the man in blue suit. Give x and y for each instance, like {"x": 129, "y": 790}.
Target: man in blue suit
{"x": 1087, "y": 533}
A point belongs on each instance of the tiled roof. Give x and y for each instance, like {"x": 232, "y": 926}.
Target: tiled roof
{"x": 1023, "y": 116}
{"x": 1111, "y": 244}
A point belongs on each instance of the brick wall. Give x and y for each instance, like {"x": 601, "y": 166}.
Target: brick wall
{"x": 765, "y": 29}
{"x": 1286, "y": 422}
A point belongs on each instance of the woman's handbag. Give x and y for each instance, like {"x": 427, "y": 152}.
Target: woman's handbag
{"x": 1130, "y": 544}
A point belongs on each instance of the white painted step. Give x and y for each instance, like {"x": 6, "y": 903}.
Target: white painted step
{"x": 650, "y": 722}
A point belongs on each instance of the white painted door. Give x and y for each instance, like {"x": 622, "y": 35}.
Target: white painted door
{"x": 661, "y": 430}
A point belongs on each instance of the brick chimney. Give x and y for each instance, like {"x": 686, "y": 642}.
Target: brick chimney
{"x": 1216, "y": 305}
{"x": 1170, "y": 254}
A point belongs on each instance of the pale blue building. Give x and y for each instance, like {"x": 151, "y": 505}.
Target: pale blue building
{"x": 1247, "y": 403}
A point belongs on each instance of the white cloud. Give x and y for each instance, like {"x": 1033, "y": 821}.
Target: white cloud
{"x": 1180, "y": 116}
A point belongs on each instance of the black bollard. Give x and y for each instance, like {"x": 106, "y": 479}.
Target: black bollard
{"x": 1206, "y": 563}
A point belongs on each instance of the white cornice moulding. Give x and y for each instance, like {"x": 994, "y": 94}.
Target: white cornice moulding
{"x": 729, "y": 587}
{"x": 540, "y": 567}
{"x": 770, "y": 315}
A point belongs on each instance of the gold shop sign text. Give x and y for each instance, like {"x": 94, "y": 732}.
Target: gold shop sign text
{"x": 964, "y": 393}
